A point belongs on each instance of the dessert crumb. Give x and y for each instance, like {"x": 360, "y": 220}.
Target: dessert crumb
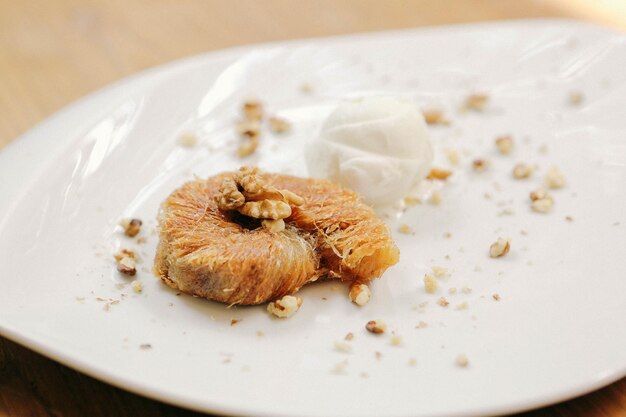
{"x": 554, "y": 178}
{"x": 360, "y": 294}
{"x": 435, "y": 198}
{"x": 343, "y": 347}
{"x": 421, "y": 325}
{"x": 443, "y": 302}
{"x": 499, "y": 248}
{"x": 137, "y": 286}
{"x": 453, "y": 156}
{"x": 285, "y": 307}
{"x": 412, "y": 361}
{"x": 475, "y": 102}
{"x": 435, "y": 116}
{"x": 480, "y": 165}
{"x": 522, "y": 171}
{"x": 439, "y": 271}
{"x": 349, "y": 336}
{"x": 187, "y": 140}
{"x": 234, "y": 321}
{"x": 462, "y": 361}
{"x": 438, "y": 174}
{"x": 131, "y": 227}
{"x": 395, "y": 340}
{"x": 430, "y": 284}
{"x": 376, "y": 326}
{"x": 504, "y": 144}
{"x": 405, "y": 229}
{"x": 496, "y": 296}
{"x": 279, "y": 125}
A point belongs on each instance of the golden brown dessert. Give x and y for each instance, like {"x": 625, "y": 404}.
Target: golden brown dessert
{"x": 227, "y": 256}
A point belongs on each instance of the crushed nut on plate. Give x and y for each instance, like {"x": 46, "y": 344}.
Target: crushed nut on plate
{"x": 499, "y": 248}
{"x": 285, "y": 307}
{"x": 343, "y": 347}
{"x": 521, "y": 171}
{"x": 443, "y": 302}
{"x": 439, "y": 174}
{"x": 360, "y": 294}
{"x": 575, "y": 98}
{"x": 187, "y": 140}
{"x": 504, "y": 144}
{"x": 137, "y": 286}
{"x": 131, "y": 227}
{"x": 396, "y": 340}
{"x": 376, "y": 326}
{"x": 279, "y": 125}
{"x": 248, "y": 147}
{"x": 554, "y": 178}
{"x": 479, "y": 165}
{"x": 462, "y": 361}
{"x": 405, "y": 229}
{"x": 253, "y": 110}
{"x": 475, "y": 102}
{"x": 439, "y": 271}
{"x": 453, "y": 156}
{"x": 430, "y": 284}
{"x": 435, "y": 117}
{"x": 126, "y": 262}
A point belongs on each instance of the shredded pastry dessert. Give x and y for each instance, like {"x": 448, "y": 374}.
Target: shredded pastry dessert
{"x": 248, "y": 238}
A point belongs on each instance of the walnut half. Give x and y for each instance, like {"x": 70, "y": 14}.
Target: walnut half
{"x": 248, "y": 193}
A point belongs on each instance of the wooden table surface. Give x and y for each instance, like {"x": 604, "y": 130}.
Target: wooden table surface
{"x": 53, "y": 52}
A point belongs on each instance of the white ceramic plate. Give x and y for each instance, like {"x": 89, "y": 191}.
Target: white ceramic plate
{"x": 557, "y": 331}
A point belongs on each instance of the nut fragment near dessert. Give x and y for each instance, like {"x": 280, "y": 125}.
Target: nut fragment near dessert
{"x": 279, "y": 125}
{"x": 504, "y": 144}
{"x": 541, "y": 201}
{"x": 376, "y": 326}
{"x": 285, "y": 307}
{"x": 554, "y": 178}
{"x": 480, "y": 165}
{"x": 131, "y": 227}
{"x": 475, "y": 102}
{"x": 499, "y": 248}
{"x": 126, "y": 262}
{"x": 360, "y": 294}
{"x": 522, "y": 171}
{"x": 434, "y": 116}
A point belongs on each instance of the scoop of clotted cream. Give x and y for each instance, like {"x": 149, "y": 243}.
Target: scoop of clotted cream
{"x": 376, "y": 146}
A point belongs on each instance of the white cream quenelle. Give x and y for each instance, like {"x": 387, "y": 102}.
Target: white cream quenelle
{"x": 376, "y": 146}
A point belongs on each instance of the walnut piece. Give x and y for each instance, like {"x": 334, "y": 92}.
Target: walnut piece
{"x": 439, "y": 174}
{"x": 248, "y": 193}
{"x": 521, "y": 171}
{"x": 360, "y": 294}
{"x": 435, "y": 117}
{"x": 285, "y": 307}
{"x": 279, "y": 125}
{"x": 479, "y": 165}
{"x": 252, "y": 110}
{"x": 554, "y": 178}
{"x": 542, "y": 202}
{"x": 131, "y": 227}
{"x": 376, "y": 326}
{"x": 504, "y": 144}
{"x": 475, "y": 102}
{"x": 499, "y": 248}
{"x": 126, "y": 262}
{"x": 462, "y": 361}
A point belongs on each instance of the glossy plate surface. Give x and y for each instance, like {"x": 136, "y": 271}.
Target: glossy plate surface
{"x": 556, "y": 332}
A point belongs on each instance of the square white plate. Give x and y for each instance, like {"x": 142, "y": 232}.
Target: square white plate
{"x": 557, "y": 331}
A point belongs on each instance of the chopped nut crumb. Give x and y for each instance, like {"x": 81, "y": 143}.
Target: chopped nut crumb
{"x": 412, "y": 361}
{"x": 439, "y": 271}
{"x": 443, "y": 302}
{"x": 435, "y": 198}
{"x": 452, "y": 290}
{"x": 435, "y": 117}
{"x": 343, "y": 347}
{"x": 187, "y": 140}
{"x": 360, "y": 294}
{"x": 430, "y": 284}
{"x": 462, "y": 306}
{"x": 349, "y": 336}
{"x": 279, "y": 125}
{"x": 376, "y": 326}
{"x": 378, "y": 355}
{"x": 405, "y": 229}
{"x": 462, "y": 361}
{"x": 521, "y": 171}
{"x": 340, "y": 368}
{"x": 421, "y": 325}
{"x": 253, "y": 110}
{"x": 248, "y": 147}
{"x": 438, "y": 174}
{"x": 131, "y": 227}
{"x": 234, "y": 321}
{"x": 475, "y": 102}
{"x": 453, "y": 156}
{"x": 411, "y": 200}
{"x": 137, "y": 286}
{"x": 499, "y": 248}
{"x": 275, "y": 226}
{"x": 575, "y": 98}
{"x": 306, "y": 88}
{"x": 569, "y": 218}
{"x": 496, "y": 297}
{"x": 395, "y": 340}
{"x": 543, "y": 205}
{"x": 285, "y": 307}
{"x": 504, "y": 144}
{"x": 127, "y": 266}
{"x": 145, "y": 346}
{"x": 466, "y": 290}
{"x": 479, "y": 165}
{"x": 554, "y": 178}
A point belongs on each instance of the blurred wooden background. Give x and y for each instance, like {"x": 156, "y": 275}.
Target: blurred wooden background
{"x": 55, "y": 51}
